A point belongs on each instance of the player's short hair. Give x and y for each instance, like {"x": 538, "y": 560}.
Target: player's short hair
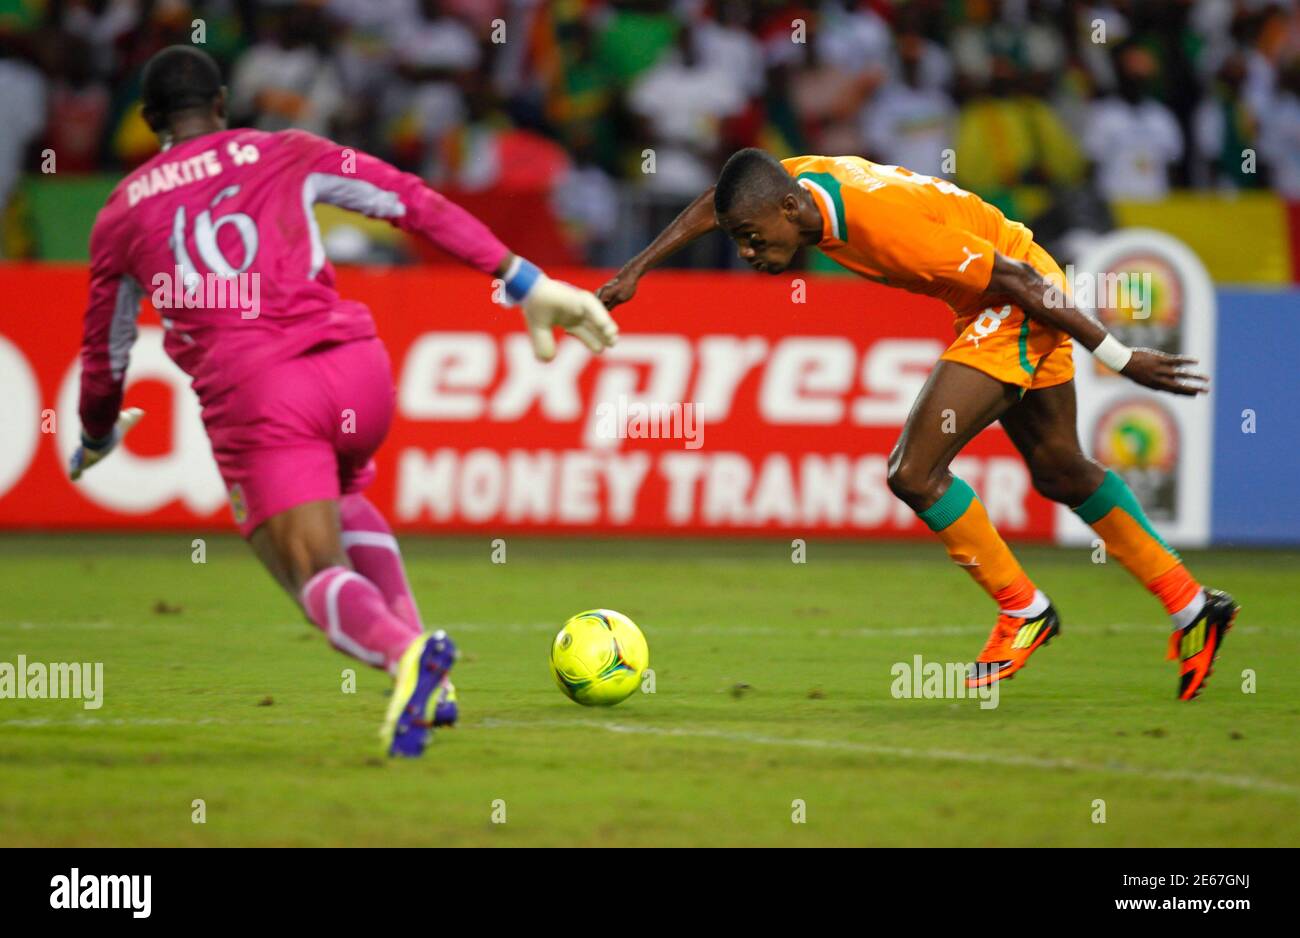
{"x": 750, "y": 179}
{"x": 179, "y": 78}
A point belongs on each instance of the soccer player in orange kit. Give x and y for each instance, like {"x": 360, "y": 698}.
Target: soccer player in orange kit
{"x": 1011, "y": 361}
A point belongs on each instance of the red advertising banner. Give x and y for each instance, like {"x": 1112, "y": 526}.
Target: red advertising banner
{"x": 733, "y": 403}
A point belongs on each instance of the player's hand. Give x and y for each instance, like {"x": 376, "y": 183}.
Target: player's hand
{"x": 92, "y": 451}
{"x": 619, "y": 288}
{"x": 1164, "y": 372}
{"x": 550, "y": 303}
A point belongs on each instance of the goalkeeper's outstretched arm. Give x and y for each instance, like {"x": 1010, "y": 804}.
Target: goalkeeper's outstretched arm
{"x": 548, "y": 303}
{"x": 378, "y": 190}
{"x": 695, "y": 221}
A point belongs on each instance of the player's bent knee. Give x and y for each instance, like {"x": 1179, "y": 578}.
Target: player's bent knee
{"x": 910, "y": 482}
{"x": 304, "y": 557}
{"x": 305, "y": 540}
{"x": 1069, "y": 479}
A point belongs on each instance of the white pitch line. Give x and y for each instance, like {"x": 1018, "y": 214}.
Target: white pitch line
{"x": 707, "y": 628}
{"x": 43, "y": 722}
{"x": 28, "y": 626}
{"x": 1246, "y": 783}
{"x": 711, "y": 628}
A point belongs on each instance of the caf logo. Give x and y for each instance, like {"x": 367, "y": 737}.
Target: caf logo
{"x": 1140, "y": 298}
{"x": 1139, "y": 440}
{"x": 238, "y": 507}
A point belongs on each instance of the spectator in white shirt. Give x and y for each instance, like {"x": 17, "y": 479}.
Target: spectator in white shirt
{"x": 434, "y": 53}
{"x": 1131, "y": 137}
{"x": 288, "y": 80}
{"x": 22, "y": 115}
{"x": 908, "y": 123}
{"x": 683, "y": 102}
{"x": 727, "y": 44}
{"x": 1280, "y": 134}
{"x": 853, "y": 40}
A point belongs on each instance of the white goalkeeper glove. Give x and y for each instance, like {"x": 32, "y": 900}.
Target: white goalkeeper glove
{"x": 549, "y": 303}
{"x": 92, "y": 451}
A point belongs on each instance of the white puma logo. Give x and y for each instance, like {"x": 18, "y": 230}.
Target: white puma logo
{"x": 969, "y": 257}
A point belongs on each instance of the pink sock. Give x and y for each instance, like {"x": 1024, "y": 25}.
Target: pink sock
{"x": 352, "y": 613}
{"x": 374, "y": 553}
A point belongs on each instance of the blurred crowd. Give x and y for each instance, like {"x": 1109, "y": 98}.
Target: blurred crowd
{"x": 596, "y": 102}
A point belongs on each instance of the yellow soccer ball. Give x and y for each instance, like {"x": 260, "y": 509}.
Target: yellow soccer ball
{"x": 598, "y": 657}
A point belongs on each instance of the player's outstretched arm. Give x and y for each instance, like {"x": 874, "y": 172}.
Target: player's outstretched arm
{"x": 695, "y": 221}
{"x": 362, "y": 183}
{"x": 1046, "y": 302}
{"x": 91, "y": 450}
{"x": 108, "y": 332}
{"x": 550, "y": 303}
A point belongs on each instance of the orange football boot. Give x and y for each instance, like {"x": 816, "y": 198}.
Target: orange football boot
{"x": 1197, "y": 645}
{"x": 1013, "y": 640}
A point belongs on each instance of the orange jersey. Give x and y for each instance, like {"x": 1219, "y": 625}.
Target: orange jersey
{"x": 907, "y": 230}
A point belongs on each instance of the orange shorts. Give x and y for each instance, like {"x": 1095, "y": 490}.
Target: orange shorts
{"x": 1003, "y": 342}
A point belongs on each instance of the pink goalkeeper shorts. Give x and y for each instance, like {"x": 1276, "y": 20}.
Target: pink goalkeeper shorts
{"x": 302, "y": 430}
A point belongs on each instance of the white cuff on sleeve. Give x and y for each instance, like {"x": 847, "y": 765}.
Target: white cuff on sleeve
{"x": 1112, "y": 353}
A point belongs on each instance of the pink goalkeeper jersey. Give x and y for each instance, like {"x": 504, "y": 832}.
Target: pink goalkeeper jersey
{"x": 217, "y": 210}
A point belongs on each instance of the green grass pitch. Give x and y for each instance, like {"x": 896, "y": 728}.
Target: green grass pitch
{"x": 772, "y": 690}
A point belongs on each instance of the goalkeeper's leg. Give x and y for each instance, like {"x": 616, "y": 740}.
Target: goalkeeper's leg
{"x": 303, "y": 549}
{"x": 292, "y": 444}
{"x": 374, "y": 553}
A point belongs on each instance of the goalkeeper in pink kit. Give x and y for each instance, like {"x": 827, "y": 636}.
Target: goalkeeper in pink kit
{"x": 295, "y": 387}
